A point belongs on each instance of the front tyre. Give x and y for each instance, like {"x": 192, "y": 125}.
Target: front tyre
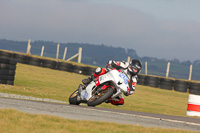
{"x": 101, "y": 96}
{"x": 73, "y": 98}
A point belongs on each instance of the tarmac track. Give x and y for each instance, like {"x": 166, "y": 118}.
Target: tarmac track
{"x": 101, "y": 114}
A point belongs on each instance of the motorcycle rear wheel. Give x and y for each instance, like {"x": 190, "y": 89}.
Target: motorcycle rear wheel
{"x": 73, "y": 98}
{"x": 100, "y": 97}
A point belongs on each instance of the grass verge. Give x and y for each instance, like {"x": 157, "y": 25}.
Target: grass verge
{"x": 53, "y": 84}
{"x": 12, "y": 121}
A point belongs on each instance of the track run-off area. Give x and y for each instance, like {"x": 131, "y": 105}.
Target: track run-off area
{"x": 81, "y": 112}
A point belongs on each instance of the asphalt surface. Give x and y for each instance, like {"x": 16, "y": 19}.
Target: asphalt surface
{"x": 102, "y": 114}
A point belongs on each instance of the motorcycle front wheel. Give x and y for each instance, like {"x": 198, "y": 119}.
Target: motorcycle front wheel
{"x": 73, "y": 98}
{"x": 100, "y": 96}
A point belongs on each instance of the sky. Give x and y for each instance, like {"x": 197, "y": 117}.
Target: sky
{"x": 166, "y": 29}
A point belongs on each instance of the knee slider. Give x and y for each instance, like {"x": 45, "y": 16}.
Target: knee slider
{"x": 98, "y": 70}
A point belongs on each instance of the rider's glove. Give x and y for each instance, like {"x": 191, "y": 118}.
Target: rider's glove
{"x": 112, "y": 65}
{"x": 109, "y": 66}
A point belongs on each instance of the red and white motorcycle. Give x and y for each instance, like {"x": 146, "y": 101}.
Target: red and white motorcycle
{"x": 109, "y": 85}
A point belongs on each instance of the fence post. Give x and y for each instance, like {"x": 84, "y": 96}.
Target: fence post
{"x": 65, "y": 52}
{"x": 167, "y": 71}
{"x": 28, "y": 47}
{"x": 79, "y": 55}
{"x": 146, "y": 68}
{"x": 128, "y": 59}
{"x": 42, "y": 51}
{"x": 190, "y": 73}
{"x": 57, "y": 54}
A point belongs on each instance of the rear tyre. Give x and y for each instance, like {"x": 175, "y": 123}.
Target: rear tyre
{"x": 102, "y": 96}
{"x": 73, "y": 98}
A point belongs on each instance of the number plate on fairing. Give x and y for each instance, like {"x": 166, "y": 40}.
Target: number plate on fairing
{"x": 123, "y": 76}
{"x": 85, "y": 95}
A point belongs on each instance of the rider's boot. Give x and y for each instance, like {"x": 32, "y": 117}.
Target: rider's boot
{"x": 99, "y": 71}
{"x": 88, "y": 80}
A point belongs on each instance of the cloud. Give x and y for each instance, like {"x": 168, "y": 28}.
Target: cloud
{"x": 88, "y": 22}
{"x": 74, "y": 18}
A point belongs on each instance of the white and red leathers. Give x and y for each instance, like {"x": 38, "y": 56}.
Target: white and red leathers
{"x": 123, "y": 67}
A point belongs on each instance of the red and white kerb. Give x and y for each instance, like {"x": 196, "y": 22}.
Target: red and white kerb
{"x": 193, "y": 105}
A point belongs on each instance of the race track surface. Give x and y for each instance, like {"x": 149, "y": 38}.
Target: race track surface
{"x": 101, "y": 114}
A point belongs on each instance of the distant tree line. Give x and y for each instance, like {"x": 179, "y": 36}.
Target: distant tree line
{"x": 98, "y": 55}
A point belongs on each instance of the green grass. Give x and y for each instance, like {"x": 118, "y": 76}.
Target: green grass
{"x": 12, "y": 121}
{"x": 47, "y": 83}
{"x": 43, "y": 82}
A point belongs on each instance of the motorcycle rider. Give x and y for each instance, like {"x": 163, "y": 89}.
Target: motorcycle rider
{"x": 131, "y": 70}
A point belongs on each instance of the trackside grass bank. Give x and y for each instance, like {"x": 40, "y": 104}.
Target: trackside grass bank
{"x": 53, "y": 84}
{"x": 12, "y": 121}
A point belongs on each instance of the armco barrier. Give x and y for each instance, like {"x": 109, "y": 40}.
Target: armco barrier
{"x": 194, "y": 88}
{"x": 166, "y": 83}
{"x": 34, "y": 61}
{"x": 152, "y": 81}
{"x": 49, "y": 63}
{"x": 141, "y": 79}
{"x": 20, "y": 58}
{"x": 89, "y": 70}
{"x": 78, "y": 69}
{"x": 4, "y": 54}
{"x": 7, "y": 71}
{"x": 159, "y": 82}
{"x": 83, "y": 70}
{"x": 180, "y": 86}
{"x": 64, "y": 66}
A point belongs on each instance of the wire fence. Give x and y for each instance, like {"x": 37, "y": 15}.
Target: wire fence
{"x": 188, "y": 72}
{"x": 158, "y": 68}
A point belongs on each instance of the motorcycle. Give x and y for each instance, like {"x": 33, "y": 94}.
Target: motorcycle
{"x": 109, "y": 85}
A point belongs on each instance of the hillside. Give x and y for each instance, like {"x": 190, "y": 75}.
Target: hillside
{"x": 98, "y": 55}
